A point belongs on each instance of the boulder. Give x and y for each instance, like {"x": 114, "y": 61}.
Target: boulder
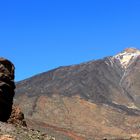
{"x": 17, "y": 117}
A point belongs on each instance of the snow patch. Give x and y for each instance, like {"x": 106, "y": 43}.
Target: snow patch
{"x": 132, "y": 106}
{"x": 126, "y": 56}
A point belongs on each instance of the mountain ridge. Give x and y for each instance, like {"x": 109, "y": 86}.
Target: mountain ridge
{"x": 107, "y": 83}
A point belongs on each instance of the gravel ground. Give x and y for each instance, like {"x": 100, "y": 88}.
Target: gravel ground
{"x": 11, "y": 132}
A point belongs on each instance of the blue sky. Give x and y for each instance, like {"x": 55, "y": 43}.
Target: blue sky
{"x": 39, "y": 35}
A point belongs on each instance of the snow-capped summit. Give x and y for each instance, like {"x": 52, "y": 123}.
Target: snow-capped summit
{"x": 127, "y": 56}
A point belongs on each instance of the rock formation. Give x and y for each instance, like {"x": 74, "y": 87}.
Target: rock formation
{"x": 7, "y": 87}
{"x": 17, "y": 117}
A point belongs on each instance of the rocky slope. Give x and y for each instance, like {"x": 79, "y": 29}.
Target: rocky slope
{"x": 11, "y": 132}
{"x": 91, "y": 100}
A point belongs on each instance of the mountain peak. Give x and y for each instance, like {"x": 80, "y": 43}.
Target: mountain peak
{"x": 132, "y": 50}
{"x": 127, "y": 56}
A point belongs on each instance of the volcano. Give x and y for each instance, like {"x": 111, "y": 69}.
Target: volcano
{"x": 92, "y": 100}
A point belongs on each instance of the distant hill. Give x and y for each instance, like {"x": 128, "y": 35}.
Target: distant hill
{"x": 95, "y": 99}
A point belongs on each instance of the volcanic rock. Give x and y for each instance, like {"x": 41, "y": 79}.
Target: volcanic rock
{"x": 6, "y": 137}
{"x": 12, "y": 132}
{"x": 7, "y": 87}
{"x": 17, "y": 117}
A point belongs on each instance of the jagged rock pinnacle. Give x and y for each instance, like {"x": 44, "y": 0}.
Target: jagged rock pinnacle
{"x": 7, "y": 87}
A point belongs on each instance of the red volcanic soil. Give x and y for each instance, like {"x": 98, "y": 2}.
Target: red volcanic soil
{"x": 68, "y": 133}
